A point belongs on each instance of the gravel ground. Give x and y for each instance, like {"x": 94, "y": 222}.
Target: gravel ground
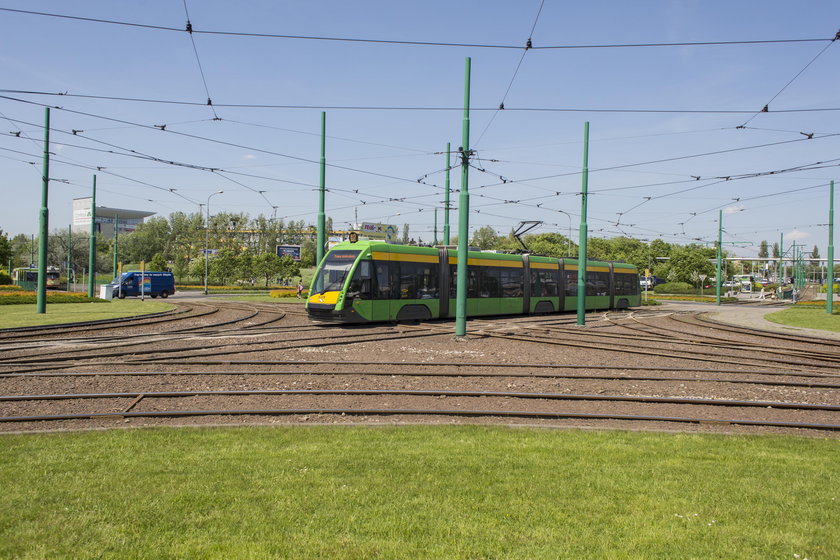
{"x": 684, "y": 360}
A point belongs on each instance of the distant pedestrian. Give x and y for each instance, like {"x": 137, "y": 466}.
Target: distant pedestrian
{"x": 300, "y": 288}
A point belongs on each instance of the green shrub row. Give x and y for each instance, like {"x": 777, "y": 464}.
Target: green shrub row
{"x": 29, "y": 298}
{"x": 675, "y": 288}
{"x": 11, "y": 288}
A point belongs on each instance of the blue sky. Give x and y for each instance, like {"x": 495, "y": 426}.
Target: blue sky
{"x": 390, "y": 108}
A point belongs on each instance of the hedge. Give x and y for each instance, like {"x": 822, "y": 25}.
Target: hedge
{"x": 675, "y": 288}
{"x": 11, "y": 298}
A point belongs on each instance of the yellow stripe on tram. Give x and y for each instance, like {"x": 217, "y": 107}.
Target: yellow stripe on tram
{"x": 488, "y": 262}
{"x": 549, "y": 266}
{"x": 403, "y": 257}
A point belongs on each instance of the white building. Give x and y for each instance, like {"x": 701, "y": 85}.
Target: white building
{"x": 106, "y": 218}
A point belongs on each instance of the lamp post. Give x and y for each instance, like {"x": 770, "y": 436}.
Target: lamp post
{"x": 569, "y": 239}
{"x": 207, "y": 240}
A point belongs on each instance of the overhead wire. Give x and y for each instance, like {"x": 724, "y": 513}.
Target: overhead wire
{"x": 766, "y": 107}
{"x": 189, "y": 30}
{"x": 414, "y": 43}
{"x": 424, "y": 108}
{"x": 528, "y": 46}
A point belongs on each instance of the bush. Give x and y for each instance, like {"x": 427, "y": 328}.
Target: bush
{"x": 675, "y": 288}
{"x": 288, "y": 292}
{"x": 21, "y": 297}
{"x": 12, "y": 288}
{"x": 5, "y": 279}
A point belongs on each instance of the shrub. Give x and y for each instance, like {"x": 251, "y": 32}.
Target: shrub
{"x": 12, "y": 288}
{"x": 287, "y": 292}
{"x": 21, "y": 297}
{"x": 675, "y": 288}
{"x": 5, "y": 279}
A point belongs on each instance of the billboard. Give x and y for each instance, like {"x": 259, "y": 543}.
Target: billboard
{"x": 289, "y": 251}
{"x": 379, "y": 231}
{"x": 81, "y": 211}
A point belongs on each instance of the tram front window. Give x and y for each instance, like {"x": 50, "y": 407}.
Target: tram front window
{"x": 334, "y": 271}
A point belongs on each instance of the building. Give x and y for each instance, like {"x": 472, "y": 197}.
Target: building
{"x": 106, "y": 218}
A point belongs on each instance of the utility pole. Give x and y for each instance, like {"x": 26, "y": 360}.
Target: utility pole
{"x": 319, "y": 254}
{"x": 116, "y": 241}
{"x": 435, "y": 236}
{"x": 781, "y": 256}
{"x": 829, "y": 293}
{"x": 92, "y": 249}
{"x": 719, "y": 257}
{"x": 44, "y": 220}
{"x": 581, "y": 290}
{"x": 69, "y": 247}
{"x": 446, "y": 240}
{"x": 463, "y": 214}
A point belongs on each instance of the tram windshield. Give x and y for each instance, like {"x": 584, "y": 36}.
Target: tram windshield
{"x": 334, "y": 271}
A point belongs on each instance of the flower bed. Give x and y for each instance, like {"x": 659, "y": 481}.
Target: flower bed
{"x": 291, "y": 291}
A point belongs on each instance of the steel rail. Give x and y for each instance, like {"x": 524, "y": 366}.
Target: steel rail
{"x": 425, "y": 393}
{"x": 587, "y": 377}
{"x": 724, "y": 343}
{"x": 277, "y": 345}
{"x": 629, "y": 349}
{"x": 508, "y": 365}
{"x": 764, "y": 333}
{"x": 423, "y": 412}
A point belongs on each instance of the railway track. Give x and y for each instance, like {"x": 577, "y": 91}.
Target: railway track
{"x": 228, "y": 371}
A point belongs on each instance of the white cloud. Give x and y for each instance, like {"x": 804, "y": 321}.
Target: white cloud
{"x": 249, "y": 156}
{"x": 796, "y": 235}
{"x": 733, "y": 209}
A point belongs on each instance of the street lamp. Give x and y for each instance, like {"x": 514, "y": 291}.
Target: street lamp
{"x": 569, "y": 245}
{"x": 207, "y": 241}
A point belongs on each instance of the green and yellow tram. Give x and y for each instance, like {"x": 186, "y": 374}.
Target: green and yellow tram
{"x": 370, "y": 281}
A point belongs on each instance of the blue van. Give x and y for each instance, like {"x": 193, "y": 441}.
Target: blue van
{"x": 154, "y": 284}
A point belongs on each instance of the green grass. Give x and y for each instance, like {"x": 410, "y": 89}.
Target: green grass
{"x": 416, "y": 492}
{"x": 25, "y": 315}
{"x": 261, "y": 297}
{"x": 809, "y": 318}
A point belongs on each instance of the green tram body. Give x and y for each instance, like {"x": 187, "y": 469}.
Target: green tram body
{"x": 370, "y": 281}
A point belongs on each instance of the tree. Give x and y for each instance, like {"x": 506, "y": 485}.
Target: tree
{"x": 776, "y": 252}
{"x": 687, "y": 260}
{"x": 5, "y": 248}
{"x": 289, "y": 268}
{"x": 158, "y": 263}
{"x": 223, "y": 266}
{"x": 405, "y": 237}
{"x": 245, "y": 266}
{"x": 181, "y": 267}
{"x": 268, "y": 266}
{"x": 763, "y": 251}
{"x": 484, "y": 238}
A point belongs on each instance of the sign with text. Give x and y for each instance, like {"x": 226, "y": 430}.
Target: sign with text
{"x": 289, "y": 251}
{"x": 379, "y": 231}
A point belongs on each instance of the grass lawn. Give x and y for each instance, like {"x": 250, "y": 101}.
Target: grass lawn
{"x": 809, "y": 318}
{"x": 25, "y": 315}
{"x": 416, "y": 492}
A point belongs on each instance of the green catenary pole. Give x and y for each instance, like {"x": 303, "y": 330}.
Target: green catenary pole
{"x": 116, "y": 241}
{"x": 446, "y": 239}
{"x": 321, "y": 216}
{"x": 829, "y": 293}
{"x": 584, "y": 233}
{"x": 719, "y": 257}
{"x": 92, "y": 249}
{"x": 69, "y": 247}
{"x": 435, "y": 242}
{"x": 463, "y": 214}
{"x": 44, "y": 220}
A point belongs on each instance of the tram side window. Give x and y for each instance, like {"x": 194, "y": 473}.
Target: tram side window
{"x": 544, "y": 283}
{"x": 412, "y": 280}
{"x": 571, "y": 283}
{"x": 382, "y": 283}
{"x": 597, "y": 283}
{"x": 360, "y": 284}
{"x": 626, "y": 284}
{"x": 511, "y": 281}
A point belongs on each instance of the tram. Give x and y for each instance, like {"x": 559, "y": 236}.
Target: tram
{"x": 371, "y": 281}
{"x": 27, "y": 278}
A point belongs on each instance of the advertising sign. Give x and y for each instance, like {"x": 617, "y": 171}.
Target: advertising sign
{"x": 81, "y": 211}
{"x": 379, "y": 231}
{"x": 289, "y": 251}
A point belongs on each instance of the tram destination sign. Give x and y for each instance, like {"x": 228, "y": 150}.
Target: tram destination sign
{"x": 289, "y": 251}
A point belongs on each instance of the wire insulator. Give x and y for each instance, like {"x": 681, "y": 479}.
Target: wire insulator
{"x": 189, "y": 27}
{"x": 528, "y": 44}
